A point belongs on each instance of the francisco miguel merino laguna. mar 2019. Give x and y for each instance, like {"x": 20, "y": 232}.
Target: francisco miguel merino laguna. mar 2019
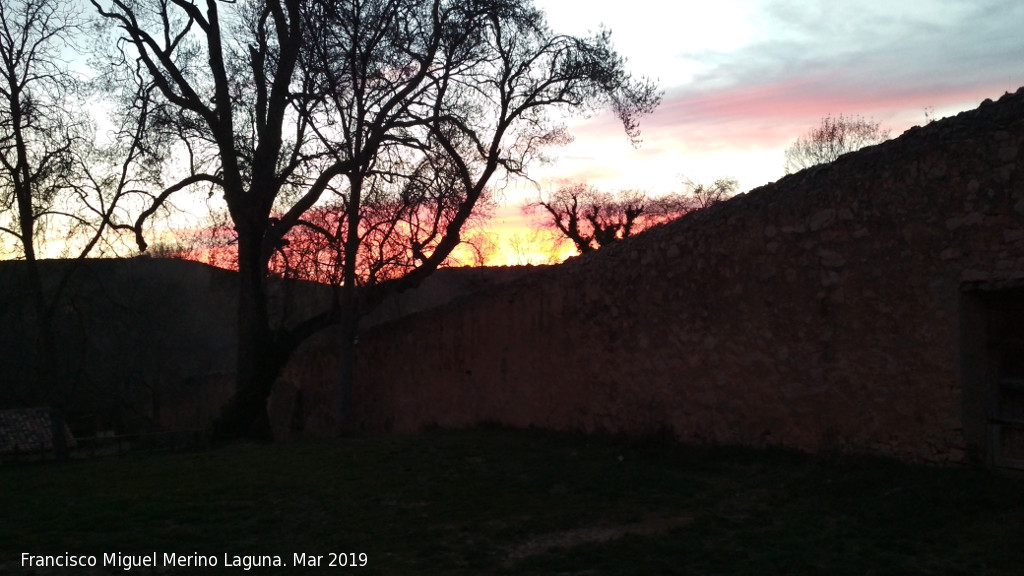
{"x": 170, "y": 559}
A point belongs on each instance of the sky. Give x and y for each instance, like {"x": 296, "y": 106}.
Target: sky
{"x": 742, "y": 79}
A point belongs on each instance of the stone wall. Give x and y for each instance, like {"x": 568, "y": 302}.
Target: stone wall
{"x": 150, "y": 344}
{"x": 820, "y": 312}
{"x": 142, "y": 343}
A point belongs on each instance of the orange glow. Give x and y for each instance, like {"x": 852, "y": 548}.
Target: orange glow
{"x": 509, "y": 238}
{"x": 518, "y": 240}
{"x": 213, "y": 245}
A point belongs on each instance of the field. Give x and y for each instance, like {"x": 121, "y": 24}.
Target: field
{"x": 492, "y": 501}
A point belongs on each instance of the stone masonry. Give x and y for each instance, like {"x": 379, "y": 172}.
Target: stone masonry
{"x": 821, "y": 312}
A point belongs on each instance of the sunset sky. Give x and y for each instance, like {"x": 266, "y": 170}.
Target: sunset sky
{"x": 744, "y": 78}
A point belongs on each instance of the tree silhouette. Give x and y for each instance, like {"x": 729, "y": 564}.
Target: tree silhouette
{"x": 405, "y": 110}
{"x": 592, "y": 218}
{"x": 831, "y": 139}
{"x": 57, "y": 186}
{"x": 702, "y": 196}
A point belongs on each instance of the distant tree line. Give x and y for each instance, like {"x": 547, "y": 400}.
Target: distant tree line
{"x": 592, "y": 218}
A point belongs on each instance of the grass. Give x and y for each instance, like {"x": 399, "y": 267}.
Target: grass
{"x": 494, "y": 501}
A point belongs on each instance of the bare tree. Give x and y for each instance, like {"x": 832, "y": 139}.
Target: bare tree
{"x": 397, "y": 113}
{"x": 60, "y": 192}
{"x": 536, "y": 247}
{"x": 592, "y": 218}
{"x": 831, "y": 139}
{"x": 458, "y": 96}
{"x": 701, "y": 195}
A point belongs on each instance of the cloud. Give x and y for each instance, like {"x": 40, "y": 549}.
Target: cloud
{"x": 888, "y": 60}
{"x": 732, "y": 110}
{"x": 872, "y": 53}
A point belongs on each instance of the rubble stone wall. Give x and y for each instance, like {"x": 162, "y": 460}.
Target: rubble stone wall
{"x": 820, "y": 312}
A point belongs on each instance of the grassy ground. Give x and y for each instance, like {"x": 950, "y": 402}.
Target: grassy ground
{"x": 506, "y": 502}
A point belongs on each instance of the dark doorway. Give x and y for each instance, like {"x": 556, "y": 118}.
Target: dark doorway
{"x": 993, "y": 374}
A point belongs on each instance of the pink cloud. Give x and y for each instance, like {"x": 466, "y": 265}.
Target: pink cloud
{"x": 772, "y": 115}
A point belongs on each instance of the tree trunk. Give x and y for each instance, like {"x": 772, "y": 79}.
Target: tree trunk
{"x": 349, "y": 321}
{"x": 45, "y": 362}
{"x": 348, "y": 326}
{"x": 245, "y": 416}
{"x": 48, "y": 374}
